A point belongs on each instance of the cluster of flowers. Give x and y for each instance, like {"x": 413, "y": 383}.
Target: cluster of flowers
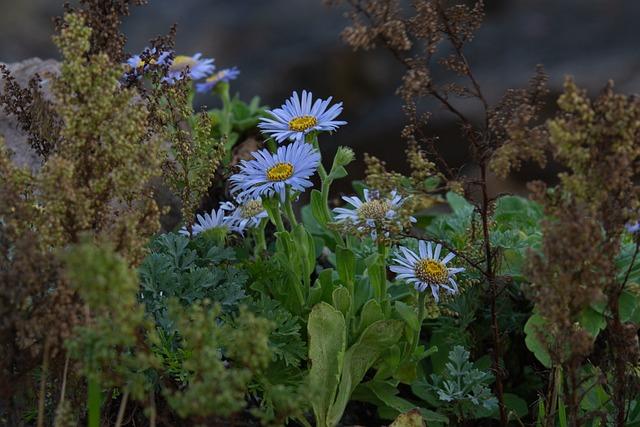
{"x": 180, "y": 66}
{"x": 288, "y": 172}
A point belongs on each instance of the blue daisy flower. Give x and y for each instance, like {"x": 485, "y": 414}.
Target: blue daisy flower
{"x": 215, "y": 219}
{"x": 299, "y": 116}
{"x": 426, "y": 269}
{"x": 220, "y": 76}
{"x": 245, "y": 214}
{"x": 139, "y": 66}
{"x": 633, "y": 227}
{"x": 199, "y": 68}
{"x": 271, "y": 173}
{"x": 372, "y": 214}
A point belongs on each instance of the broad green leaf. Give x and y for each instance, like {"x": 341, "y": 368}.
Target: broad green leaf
{"x": 371, "y": 312}
{"x": 516, "y": 404}
{"x": 386, "y": 392}
{"x": 376, "y": 273}
{"x": 318, "y": 208}
{"x": 592, "y": 321}
{"x": 424, "y": 391}
{"x": 517, "y": 210}
{"x": 327, "y": 340}
{"x": 459, "y": 205}
{"x": 341, "y": 300}
{"x": 306, "y": 250}
{"x": 408, "y": 314}
{"x": 535, "y": 326}
{"x": 361, "y": 356}
{"x": 629, "y": 307}
{"x": 346, "y": 265}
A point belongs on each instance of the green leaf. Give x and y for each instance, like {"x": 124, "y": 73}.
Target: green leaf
{"x": 424, "y": 391}
{"x": 338, "y": 172}
{"x": 460, "y": 206}
{"x": 327, "y": 340}
{"x": 562, "y": 413}
{"x": 408, "y": 314}
{"x": 517, "y": 210}
{"x": 536, "y": 325}
{"x": 387, "y": 392}
{"x": 516, "y": 404}
{"x": 376, "y": 273}
{"x": 371, "y": 312}
{"x": 346, "y": 265}
{"x": 341, "y": 300}
{"x": 629, "y": 307}
{"x": 592, "y": 321}
{"x": 359, "y": 358}
{"x": 318, "y": 208}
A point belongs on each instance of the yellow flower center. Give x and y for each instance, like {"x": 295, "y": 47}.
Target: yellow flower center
{"x": 375, "y": 209}
{"x": 302, "y": 123}
{"x": 431, "y": 271}
{"x": 219, "y": 75}
{"x": 181, "y": 62}
{"x": 280, "y": 172}
{"x": 251, "y": 208}
{"x": 141, "y": 63}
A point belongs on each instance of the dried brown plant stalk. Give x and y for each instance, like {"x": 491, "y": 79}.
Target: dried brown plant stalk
{"x": 435, "y": 34}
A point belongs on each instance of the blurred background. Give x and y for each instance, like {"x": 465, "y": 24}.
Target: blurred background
{"x": 283, "y": 45}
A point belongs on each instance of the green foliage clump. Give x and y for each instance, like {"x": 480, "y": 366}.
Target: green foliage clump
{"x": 462, "y": 388}
{"x": 221, "y": 360}
{"x": 194, "y": 153}
{"x": 175, "y": 269}
{"x": 111, "y": 345}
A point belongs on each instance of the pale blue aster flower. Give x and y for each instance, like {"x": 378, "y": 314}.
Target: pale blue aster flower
{"x": 224, "y": 75}
{"x": 633, "y": 227}
{"x": 139, "y": 66}
{"x": 271, "y": 173}
{"x": 372, "y": 214}
{"x": 299, "y": 116}
{"x": 199, "y": 67}
{"x": 426, "y": 269}
{"x": 215, "y": 219}
{"x": 244, "y": 214}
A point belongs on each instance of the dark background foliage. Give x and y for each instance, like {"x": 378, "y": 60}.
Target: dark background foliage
{"x": 282, "y": 45}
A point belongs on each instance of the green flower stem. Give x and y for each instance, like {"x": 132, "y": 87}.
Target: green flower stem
{"x": 325, "y": 185}
{"x": 314, "y": 141}
{"x": 223, "y": 90}
{"x": 258, "y": 234}
{"x": 382, "y": 251}
{"x": 421, "y": 298}
{"x": 289, "y": 210}
{"x": 276, "y": 218}
{"x": 94, "y": 402}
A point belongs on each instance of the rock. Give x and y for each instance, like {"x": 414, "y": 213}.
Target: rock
{"x": 14, "y": 137}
